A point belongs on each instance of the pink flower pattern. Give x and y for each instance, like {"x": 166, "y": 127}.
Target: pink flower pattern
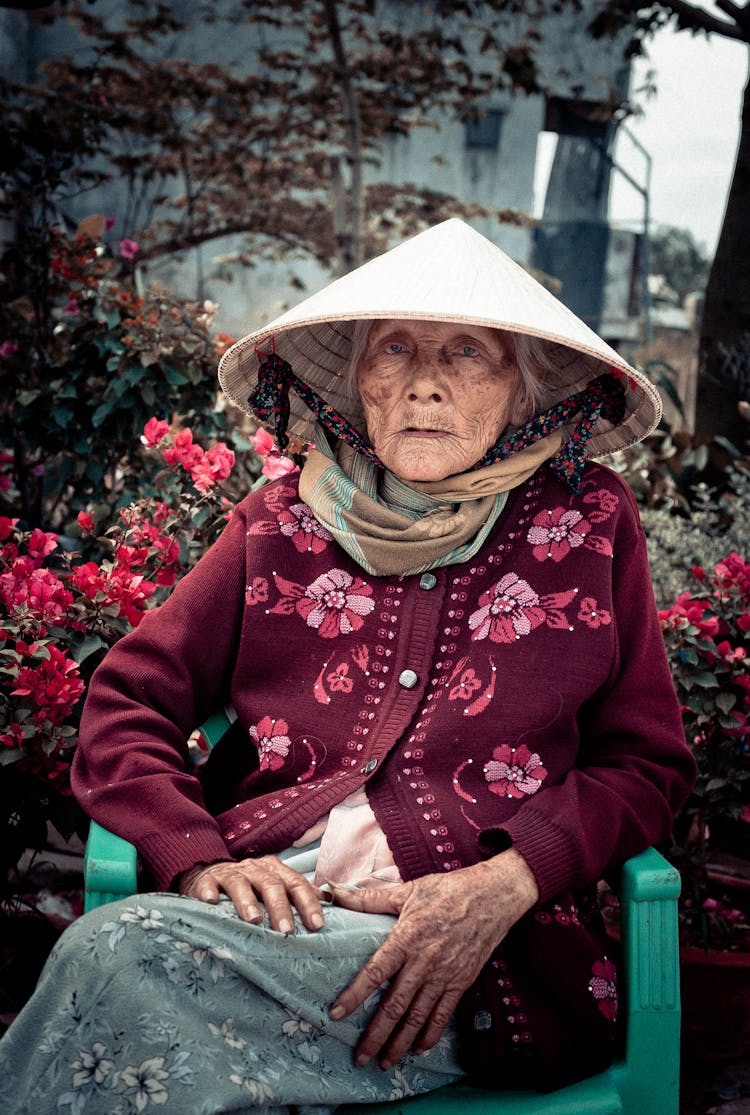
{"x": 339, "y": 679}
{"x": 603, "y": 986}
{"x": 555, "y": 533}
{"x": 514, "y": 772}
{"x": 273, "y": 743}
{"x": 468, "y": 683}
{"x": 593, "y": 616}
{"x": 335, "y": 603}
{"x": 257, "y": 591}
{"x": 298, "y": 523}
{"x": 508, "y": 611}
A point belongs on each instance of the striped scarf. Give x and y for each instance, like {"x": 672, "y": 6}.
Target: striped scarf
{"x": 392, "y": 528}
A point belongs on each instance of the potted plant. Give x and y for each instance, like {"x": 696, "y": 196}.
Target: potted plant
{"x": 707, "y": 635}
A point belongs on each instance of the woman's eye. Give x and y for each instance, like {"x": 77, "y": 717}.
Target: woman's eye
{"x": 394, "y": 347}
{"x": 469, "y": 350}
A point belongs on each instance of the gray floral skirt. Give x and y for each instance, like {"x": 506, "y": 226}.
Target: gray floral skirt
{"x": 166, "y": 1004}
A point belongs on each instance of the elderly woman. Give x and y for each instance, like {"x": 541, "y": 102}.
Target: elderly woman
{"x": 453, "y": 716}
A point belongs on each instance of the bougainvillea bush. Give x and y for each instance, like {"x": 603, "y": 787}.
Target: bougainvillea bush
{"x": 88, "y": 352}
{"x": 60, "y": 611}
{"x": 707, "y": 635}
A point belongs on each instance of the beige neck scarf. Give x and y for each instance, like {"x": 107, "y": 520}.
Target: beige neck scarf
{"x": 394, "y": 528}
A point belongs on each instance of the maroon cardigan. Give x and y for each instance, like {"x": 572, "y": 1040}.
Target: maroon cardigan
{"x": 521, "y": 698}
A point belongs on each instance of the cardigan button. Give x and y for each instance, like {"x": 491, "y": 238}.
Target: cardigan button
{"x": 369, "y": 766}
{"x": 408, "y": 679}
{"x": 482, "y": 1020}
{"x": 427, "y": 580}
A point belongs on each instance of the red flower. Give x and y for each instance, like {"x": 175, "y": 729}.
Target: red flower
{"x": 41, "y": 543}
{"x": 154, "y": 431}
{"x": 85, "y": 521}
{"x": 54, "y": 685}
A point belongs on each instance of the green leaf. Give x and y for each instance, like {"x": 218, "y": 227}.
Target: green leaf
{"x": 726, "y": 701}
{"x": 705, "y": 679}
{"x": 101, "y": 413}
{"x": 89, "y": 645}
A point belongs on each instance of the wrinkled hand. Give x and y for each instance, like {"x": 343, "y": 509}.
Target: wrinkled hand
{"x": 448, "y": 927}
{"x": 252, "y": 882}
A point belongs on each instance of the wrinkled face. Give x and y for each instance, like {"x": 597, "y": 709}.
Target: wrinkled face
{"x": 435, "y": 395}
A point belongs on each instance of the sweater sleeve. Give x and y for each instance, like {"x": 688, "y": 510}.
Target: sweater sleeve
{"x": 634, "y": 768}
{"x": 151, "y": 691}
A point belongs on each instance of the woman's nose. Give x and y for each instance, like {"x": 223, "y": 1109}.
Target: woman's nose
{"x": 425, "y": 383}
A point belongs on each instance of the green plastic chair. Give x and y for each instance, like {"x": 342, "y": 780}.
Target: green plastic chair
{"x": 643, "y": 1080}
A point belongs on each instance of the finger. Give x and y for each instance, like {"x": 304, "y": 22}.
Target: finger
{"x": 442, "y": 1013}
{"x": 240, "y": 890}
{"x": 304, "y": 899}
{"x": 273, "y": 893}
{"x": 421, "y": 1016}
{"x": 378, "y": 900}
{"x": 381, "y": 966}
{"x": 400, "y": 1016}
{"x": 205, "y": 887}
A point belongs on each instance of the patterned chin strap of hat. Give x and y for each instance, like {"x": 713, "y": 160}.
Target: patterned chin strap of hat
{"x": 604, "y": 398}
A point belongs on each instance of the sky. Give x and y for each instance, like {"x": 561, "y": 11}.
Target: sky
{"x": 690, "y": 130}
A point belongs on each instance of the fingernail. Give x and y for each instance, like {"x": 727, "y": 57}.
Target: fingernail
{"x": 336, "y": 1012}
{"x": 385, "y": 1065}
{"x": 317, "y": 921}
{"x": 286, "y": 927}
{"x": 363, "y": 1060}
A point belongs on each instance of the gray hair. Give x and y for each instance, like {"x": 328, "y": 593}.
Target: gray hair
{"x": 545, "y": 369}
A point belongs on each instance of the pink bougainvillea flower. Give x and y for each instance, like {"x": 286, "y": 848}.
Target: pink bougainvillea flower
{"x": 129, "y": 248}
{"x": 13, "y": 737}
{"x": 154, "y": 431}
{"x": 8, "y": 349}
{"x": 54, "y": 685}
{"x": 85, "y": 521}
{"x": 273, "y": 743}
{"x": 298, "y": 523}
{"x": 262, "y": 442}
{"x": 42, "y": 543}
{"x": 275, "y": 467}
{"x": 183, "y": 452}
{"x": 603, "y": 986}
{"x": 37, "y": 591}
{"x": 6, "y": 527}
{"x": 71, "y": 306}
{"x": 555, "y": 533}
{"x": 336, "y": 603}
{"x": 509, "y": 610}
{"x": 215, "y": 465}
{"x": 109, "y": 223}
{"x": 514, "y": 772}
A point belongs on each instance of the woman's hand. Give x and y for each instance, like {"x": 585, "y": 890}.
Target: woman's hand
{"x": 252, "y": 882}
{"x": 448, "y": 927}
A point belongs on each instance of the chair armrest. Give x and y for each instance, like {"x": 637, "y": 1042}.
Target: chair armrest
{"x": 110, "y": 868}
{"x": 649, "y": 888}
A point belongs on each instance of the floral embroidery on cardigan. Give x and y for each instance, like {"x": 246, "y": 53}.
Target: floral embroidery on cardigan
{"x": 298, "y": 523}
{"x": 512, "y": 609}
{"x": 603, "y": 986}
{"x": 257, "y": 591}
{"x": 334, "y": 604}
{"x": 514, "y": 772}
{"x": 593, "y": 616}
{"x": 273, "y": 743}
{"x": 555, "y": 533}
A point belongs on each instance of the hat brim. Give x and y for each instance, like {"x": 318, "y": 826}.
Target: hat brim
{"x": 453, "y": 274}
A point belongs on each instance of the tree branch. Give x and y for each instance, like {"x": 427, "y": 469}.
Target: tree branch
{"x": 703, "y": 21}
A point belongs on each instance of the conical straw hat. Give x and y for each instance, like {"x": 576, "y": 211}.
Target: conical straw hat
{"x": 448, "y": 273}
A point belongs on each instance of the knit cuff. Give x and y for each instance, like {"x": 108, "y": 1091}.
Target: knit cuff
{"x": 167, "y": 853}
{"x": 550, "y": 851}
